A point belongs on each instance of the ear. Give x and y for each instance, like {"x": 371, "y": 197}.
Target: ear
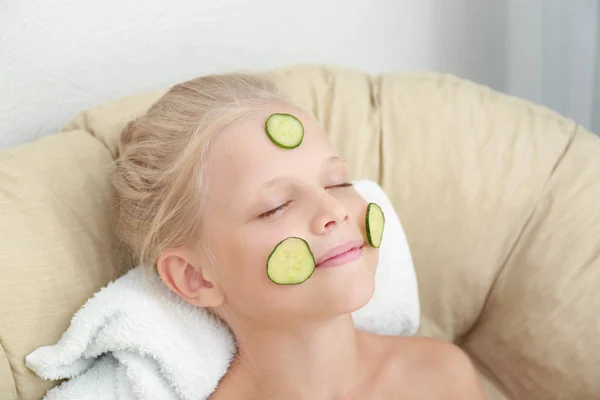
{"x": 181, "y": 273}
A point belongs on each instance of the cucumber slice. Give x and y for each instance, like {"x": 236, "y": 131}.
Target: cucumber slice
{"x": 291, "y": 262}
{"x": 375, "y": 221}
{"x": 285, "y": 130}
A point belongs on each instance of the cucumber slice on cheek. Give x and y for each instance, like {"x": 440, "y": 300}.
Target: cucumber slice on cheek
{"x": 285, "y": 130}
{"x": 291, "y": 262}
{"x": 375, "y": 222}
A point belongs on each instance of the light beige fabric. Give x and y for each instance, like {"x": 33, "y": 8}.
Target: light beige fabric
{"x": 500, "y": 200}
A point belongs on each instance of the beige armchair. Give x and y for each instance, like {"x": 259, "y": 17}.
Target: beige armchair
{"x": 500, "y": 200}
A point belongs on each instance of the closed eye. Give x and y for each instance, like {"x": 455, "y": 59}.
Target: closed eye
{"x": 341, "y": 185}
{"x": 274, "y": 210}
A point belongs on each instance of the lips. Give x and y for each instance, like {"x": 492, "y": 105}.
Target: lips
{"x": 341, "y": 254}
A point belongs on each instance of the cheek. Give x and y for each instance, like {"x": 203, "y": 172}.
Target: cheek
{"x": 242, "y": 255}
{"x": 357, "y": 209}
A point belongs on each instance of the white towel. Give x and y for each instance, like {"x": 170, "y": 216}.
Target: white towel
{"x": 136, "y": 340}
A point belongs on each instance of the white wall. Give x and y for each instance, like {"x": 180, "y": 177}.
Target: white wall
{"x": 554, "y": 56}
{"x": 60, "y": 56}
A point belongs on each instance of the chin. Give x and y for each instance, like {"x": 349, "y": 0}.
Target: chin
{"x": 350, "y": 291}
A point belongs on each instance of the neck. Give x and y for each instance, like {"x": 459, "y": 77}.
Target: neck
{"x": 320, "y": 360}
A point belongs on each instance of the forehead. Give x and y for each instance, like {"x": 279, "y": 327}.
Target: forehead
{"x": 245, "y": 156}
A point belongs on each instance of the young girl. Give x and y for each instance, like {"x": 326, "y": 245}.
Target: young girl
{"x": 205, "y": 197}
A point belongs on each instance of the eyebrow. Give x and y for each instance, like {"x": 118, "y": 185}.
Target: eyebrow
{"x": 275, "y": 181}
{"x": 269, "y": 184}
{"x": 333, "y": 160}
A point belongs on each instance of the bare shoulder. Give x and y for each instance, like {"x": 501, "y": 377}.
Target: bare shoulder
{"x": 431, "y": 369}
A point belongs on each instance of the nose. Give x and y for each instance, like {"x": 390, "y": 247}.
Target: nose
{"x": 329, "y": 213}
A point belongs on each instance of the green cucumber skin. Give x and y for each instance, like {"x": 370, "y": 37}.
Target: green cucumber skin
{"x": 367, "y": 225}
{"x": 274, "y": 140}
{"x": 275, "y": 249}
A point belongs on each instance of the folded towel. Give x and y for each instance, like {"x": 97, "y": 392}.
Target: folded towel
{"x": 135, "y": 339}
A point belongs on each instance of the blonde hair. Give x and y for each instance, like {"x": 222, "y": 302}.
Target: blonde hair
{"x": 159, "y": 176}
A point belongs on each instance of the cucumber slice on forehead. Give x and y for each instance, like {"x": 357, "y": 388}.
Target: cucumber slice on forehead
{"x": 375, "y": 222}
{"x": 291, "y": 262}
{"x": 285, "y": 130}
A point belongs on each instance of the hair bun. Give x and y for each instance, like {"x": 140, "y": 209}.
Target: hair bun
{"x": 128, "y": 133}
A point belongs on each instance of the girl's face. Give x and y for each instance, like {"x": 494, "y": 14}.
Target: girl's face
{"x": 259, "y": 194}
